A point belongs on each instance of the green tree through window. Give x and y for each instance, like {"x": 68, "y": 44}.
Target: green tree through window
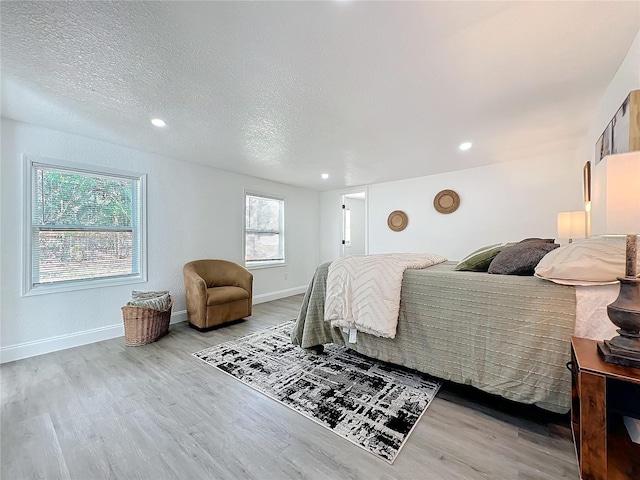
{"x": 85, "y": 225}
{"x": 264, "y": 230}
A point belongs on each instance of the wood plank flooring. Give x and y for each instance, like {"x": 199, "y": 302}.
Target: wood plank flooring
{"x": 106, "y": 411}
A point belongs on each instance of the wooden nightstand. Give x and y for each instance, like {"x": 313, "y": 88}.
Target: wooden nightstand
{"x": 602, "y": 395}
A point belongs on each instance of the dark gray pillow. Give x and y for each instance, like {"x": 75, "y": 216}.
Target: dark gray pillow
{"x": 522, "y": 258}
{"x": 533, "y": 239}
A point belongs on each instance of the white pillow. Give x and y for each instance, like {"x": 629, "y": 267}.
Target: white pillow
{"x": 595, "y": 261}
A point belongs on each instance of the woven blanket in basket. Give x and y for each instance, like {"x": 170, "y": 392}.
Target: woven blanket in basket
{"x": 144, "y": 325}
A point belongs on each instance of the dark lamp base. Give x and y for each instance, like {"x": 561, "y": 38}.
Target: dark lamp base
{"x": 624, "y": 312}
{"x": 611, "y": 354}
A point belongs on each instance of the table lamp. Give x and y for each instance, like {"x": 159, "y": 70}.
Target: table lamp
{"x": 616, "y": 211}
{"x": 572, "y": 225}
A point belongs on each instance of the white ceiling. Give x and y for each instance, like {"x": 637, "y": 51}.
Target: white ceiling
{"x": 366, "y": 92}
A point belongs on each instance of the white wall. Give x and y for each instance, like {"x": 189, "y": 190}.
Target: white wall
{"x": 498, "y": 203}
{"x": 503, "y": 202}
{"x": 193, "y": 212}
{"x": 626, "y": 78}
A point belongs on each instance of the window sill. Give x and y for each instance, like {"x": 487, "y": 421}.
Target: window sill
{"x": 73, "y": 286}
{"x": 266, "y": 265}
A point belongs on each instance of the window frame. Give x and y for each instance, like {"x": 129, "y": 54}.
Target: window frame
{"x": 28, "y": 286}
{"x": 283, "y": 230}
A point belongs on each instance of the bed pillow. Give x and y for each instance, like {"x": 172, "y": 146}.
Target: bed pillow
{"x": 479, "y": 260}
{"x": 522, "y": 258}
{"x": 534, "y": 239}
{"x": 595, "y": 261}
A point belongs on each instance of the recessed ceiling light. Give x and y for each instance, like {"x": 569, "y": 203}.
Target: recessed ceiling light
{"x": 158, "y": 122}
{"x": 465, "y": 146}
{"x": 325, "y": 176}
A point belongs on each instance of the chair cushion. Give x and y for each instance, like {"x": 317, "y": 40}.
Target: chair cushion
{"x": 217, "y": 295}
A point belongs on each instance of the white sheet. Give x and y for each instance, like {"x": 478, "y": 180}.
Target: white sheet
{"x": 363, "y": 291}
{"x": 592, "y": 320}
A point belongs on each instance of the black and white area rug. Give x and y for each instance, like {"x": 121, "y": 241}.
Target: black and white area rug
{"x": 372, "y": 404}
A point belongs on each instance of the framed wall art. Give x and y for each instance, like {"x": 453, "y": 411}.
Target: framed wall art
{"x": 622, "y": 134}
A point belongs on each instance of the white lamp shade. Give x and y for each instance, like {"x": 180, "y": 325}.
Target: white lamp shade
{"x": 572, "y": 224}
{"x": 615, "y": 203}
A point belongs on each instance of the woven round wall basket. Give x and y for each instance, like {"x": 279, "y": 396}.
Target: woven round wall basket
{"x": 397, "y": 220}
{"x": 446, "y": 201}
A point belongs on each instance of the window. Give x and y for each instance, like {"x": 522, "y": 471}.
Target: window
{"x": 85, "y": 227}
{"x": 264, "y": 230}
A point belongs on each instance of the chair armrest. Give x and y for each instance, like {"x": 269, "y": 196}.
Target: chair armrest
{"x": 196, "y": 294}
{"x": 195, "y": 283}
{"x": 245, "y": 280}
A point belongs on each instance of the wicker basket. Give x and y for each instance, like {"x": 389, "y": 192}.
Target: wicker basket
{"x": 145, "y": 325}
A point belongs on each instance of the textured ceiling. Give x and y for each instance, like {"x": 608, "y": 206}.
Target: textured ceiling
{"x": 367, "y": 92}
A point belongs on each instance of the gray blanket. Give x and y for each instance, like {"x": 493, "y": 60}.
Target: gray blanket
{"x": 504, "y": 334}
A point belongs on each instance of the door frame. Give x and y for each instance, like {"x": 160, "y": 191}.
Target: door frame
{"x": 341, "y": 198}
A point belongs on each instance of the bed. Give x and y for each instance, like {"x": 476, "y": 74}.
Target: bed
{"x": 503, "y": 334}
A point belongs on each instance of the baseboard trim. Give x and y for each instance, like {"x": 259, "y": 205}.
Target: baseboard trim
{"x": 268, "y": 297}
{"x": 77, "y": 339}
{"x": 179, "y": 316}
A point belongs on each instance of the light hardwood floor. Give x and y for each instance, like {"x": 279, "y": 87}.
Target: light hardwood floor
{"x": 109, "y": 411}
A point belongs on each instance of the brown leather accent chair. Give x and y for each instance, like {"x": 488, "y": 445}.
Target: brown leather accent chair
{"x": 217, "y": 292}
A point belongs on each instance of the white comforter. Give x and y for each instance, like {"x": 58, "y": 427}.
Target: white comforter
{"x": 363, "y": 291}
